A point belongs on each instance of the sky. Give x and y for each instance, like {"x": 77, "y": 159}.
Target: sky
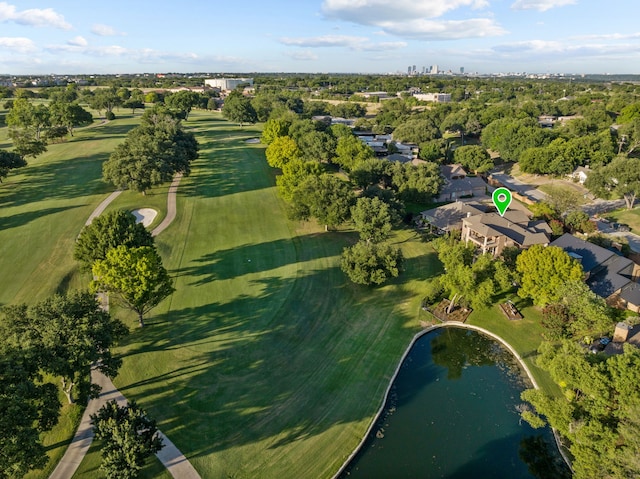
{"x": 318, "y": 36}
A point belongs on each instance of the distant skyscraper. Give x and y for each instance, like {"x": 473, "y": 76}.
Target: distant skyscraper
{"x": 434, "y": 69}
{"x": 409, "y": 70}
{"x": 461, "y": 70}
{"x": 414, "y": 69}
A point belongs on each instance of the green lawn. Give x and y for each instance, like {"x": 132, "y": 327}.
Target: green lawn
{"x": 630, "y": 217}
{"x": 42, "y": 209}
{"x": 266, "y": 361}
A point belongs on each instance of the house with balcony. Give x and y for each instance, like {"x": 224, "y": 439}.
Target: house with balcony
{"x": 491, "y": 233}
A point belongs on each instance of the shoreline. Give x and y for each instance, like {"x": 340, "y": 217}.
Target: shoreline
{"x": 415, "y": 338}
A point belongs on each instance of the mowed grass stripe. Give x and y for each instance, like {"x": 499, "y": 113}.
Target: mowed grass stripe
{"x": 272, "y": 367}
{"x": 44, "y": 207}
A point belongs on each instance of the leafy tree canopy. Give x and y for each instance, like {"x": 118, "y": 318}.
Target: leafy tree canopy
{"x": 136, "y": 276}
{"x": 108, "y": 231}
{"x": 10, "y": 161}
{"x": 128, "y": 438}
{"x": 543, "y": 271}
{"x": 371, "y": 263}
{"x": 621, "y": 177}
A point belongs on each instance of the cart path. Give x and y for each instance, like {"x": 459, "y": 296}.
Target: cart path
{"x": 170, "y": 456}
{"x": 171, "y": 206}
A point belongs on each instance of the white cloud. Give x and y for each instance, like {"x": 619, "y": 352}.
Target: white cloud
{"x": 557, "y": 49}
{"x": 608, "y": 36}
{"x": 78, "y": 42}
{"x": 415, "y": 19}
{"x": 541, "y": 5}
{"x": 304, "y": 55}
{"x": 445, "y": 29}
{"x": 344, "y": 41}
{"x": 370, "y": 12}
{"x": 105, "y": 31}
{"x": 34, "y": 17}
{"x": 18, "y": 44}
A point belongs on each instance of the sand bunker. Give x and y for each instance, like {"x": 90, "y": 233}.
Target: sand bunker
{"x": 252, "y": 140}
{"x": 145, "y": 216}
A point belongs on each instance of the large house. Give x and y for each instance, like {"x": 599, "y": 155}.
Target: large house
{"x": 458, "y": 185}
{"x": 447, "y": 218}
{"x": 608, "y": 274}
{"x": 492, "y": 233}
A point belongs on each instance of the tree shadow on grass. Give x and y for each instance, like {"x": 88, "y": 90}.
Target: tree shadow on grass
{"x": 255, "y": 258}
{"x": 21, "y": 219}
{"x": 64, "y": 179}
{"x": 257, "y": 360}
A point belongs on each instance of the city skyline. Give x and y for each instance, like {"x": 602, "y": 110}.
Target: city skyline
{"x": 363, "y": 36}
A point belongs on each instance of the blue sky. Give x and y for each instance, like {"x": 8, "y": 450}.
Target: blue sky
{"x": 363, "y": 36}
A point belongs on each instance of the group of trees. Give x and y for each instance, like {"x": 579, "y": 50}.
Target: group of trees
{"x": 307, "y": 152}
{"x": 152, "y": 153}
{"x": 32, "y": 126}
{"x": 599, "y": 410}
{"x": 63, "y": 336}
{"x": 121, "y": 255}
{"x": 468, "y": 281}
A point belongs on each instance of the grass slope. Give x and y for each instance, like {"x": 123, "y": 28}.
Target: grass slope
{"x": 266, "y": 362}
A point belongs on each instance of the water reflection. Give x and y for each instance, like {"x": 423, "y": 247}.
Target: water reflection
{"x": 452, "y": 412}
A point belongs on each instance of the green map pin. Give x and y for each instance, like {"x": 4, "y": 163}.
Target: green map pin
{"x": 502, "y": 200}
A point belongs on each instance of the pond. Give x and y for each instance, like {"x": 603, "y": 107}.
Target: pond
{"x": 453, "y": 412}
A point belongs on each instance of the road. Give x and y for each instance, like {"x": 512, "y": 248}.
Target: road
{"x": 523, "y": 189}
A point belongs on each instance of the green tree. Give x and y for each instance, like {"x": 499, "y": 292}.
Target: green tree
{"x": 469, "y": 281}
{"x": 373, "y": 219}
{"x": 151, "y": 154}
{"x": 543, "y": 270}
{"x": 69, "y": 115}
{"x": 589, "y": 313}
{"x": 578, "y": 221}
{"x": 512, "y": 137}
{"x": 274, "y": 128}
{"x": 238, "y": 109}
{"x": 598, "y": 412}
{"x": 136, "y": 276}
{"x": 183, "y": 101}
{"x": 107, "y": 231}
{"x": 324, "y": 197}
{"x": 293, "y": 174}
{"x": 105, "y": 99}
{"x": 416, "y": 183}
{"x": 134, "y": 104}
{"x": 317, "y": 146}
{"x": 621, "y": 176}
{"x": 416, "y": 130}
{"x": 281, "y": 151}
{"x": 371, "y": 263}
{"x": 474, "y": 158}
{"x": 71, "y": 332}
{"x": 28, "y": 407}
{"x": 128, "y": 438}
{"x": 10, "y": 161}
{"x": 25, "y": 145}
{"x": 350, "y": 151}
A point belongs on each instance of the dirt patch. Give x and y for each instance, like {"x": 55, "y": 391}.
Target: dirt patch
{"x": 145, "y": 216}
{"x": 459, "y": 314}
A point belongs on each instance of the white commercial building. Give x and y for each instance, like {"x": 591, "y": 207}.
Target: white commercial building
{"x": 227, "y": 84}
{"x": 434, "y": 97}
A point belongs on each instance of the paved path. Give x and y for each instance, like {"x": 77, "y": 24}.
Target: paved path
{"x": 175, "y": 462}
{"x": 171, "y": 206}
{"x": 170, "y": 456}
{"x": 102, "y": 206}
{"x": 523, "y": 189}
